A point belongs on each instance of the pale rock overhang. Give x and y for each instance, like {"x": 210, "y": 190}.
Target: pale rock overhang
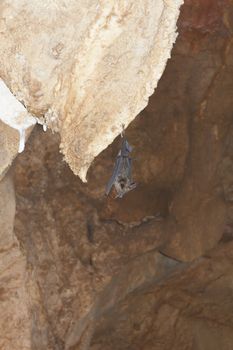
{"x": 84, "y": 68}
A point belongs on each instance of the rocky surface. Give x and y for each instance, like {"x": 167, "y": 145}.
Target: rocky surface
{"x": 73, "y": 63}
{"x": 8, "y": 147}
{"x": 191, "y": 309}
{"x": 151, "y": 271}
{"x": 15, "y": 323}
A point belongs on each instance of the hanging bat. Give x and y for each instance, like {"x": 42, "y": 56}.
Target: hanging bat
{"x": 121, "y": 177}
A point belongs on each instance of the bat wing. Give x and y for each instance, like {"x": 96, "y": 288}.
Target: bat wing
{"x": 114, "y": 175}
{"x": 130, "y": 168}
{"x": 125, "y": 148}
{"x": 128, "y": 147}
{"x": 126, "y": 168}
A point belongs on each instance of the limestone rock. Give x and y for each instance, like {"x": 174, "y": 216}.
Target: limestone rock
{"x": 9, "y": 142}
{"x": 13, "y": 116}
{"x": 152, "y": 270}
{"x": 192, "y": 309}
{"x": 15, "y": 326}
{"x": 85, "y": 67}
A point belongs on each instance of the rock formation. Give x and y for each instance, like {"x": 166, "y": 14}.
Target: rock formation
{"x": 76, "y": 63}
{"x": 15, "y": 323}
{"x": 151, "y": 271}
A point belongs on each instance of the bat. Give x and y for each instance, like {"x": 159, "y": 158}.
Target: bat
{"x": 121, "y": 177}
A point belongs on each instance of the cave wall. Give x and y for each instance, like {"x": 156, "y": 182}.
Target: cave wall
{"x": 15, "y": 322}
{"x": 152, "y": 270}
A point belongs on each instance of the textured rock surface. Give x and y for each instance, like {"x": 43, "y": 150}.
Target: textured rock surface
{"x": 13, "y": 117}
{"x": 192, "y": 309}
{"x": 153, "y": 270}
{"x": 8, "y": 147}
{"x": 14, "y": 322}
{"x": 74, "y": 63}
{"x": 73, "y": 254}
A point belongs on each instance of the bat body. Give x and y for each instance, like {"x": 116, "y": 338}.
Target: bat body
{"x": 121, "y": 177}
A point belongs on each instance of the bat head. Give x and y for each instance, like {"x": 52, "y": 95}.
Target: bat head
{"x": 123, "y": 185}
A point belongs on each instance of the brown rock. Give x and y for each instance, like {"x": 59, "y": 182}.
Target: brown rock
{"x": 103, "y": 273}
{"x": 192, "y": 309}
{"x": 14, "y": 322}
